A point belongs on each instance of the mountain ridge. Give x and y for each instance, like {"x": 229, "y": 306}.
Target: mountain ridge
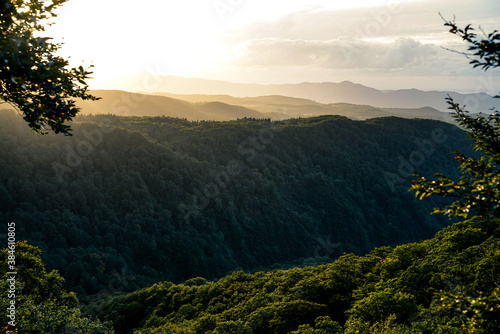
{"x": 200, "y": 107}
{"x": 325, "y": 92}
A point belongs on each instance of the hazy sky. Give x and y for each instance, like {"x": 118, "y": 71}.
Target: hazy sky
{"x": 380, "y": 43}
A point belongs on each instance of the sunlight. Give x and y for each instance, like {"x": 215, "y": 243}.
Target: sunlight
{"x": 178, "y": 38}
{"x": 121, "y": 37}
{"x": 195, "y": 38}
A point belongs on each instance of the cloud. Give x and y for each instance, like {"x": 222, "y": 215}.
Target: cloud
{"x": 400, "y": 54}
{"x": 396, "y": 19}
{"x": 406, "y": 38}
{"x": 391, "y": 46}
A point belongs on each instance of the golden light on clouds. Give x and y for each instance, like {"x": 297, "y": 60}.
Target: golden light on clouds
{"x": 233, "y": 39}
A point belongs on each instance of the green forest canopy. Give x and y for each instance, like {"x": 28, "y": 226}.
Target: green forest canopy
{"x": 209, "y": 197}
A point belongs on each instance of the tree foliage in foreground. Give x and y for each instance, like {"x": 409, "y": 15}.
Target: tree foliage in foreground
{"x": 33, "y": 79}
{"x": 478, "y": 190}
{"x": 484, "y": 50}
{"x": 42, "y": 305}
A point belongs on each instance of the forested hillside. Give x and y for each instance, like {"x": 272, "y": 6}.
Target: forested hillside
{"x": 447, "y": 284}
{"x": 126, "y": 202}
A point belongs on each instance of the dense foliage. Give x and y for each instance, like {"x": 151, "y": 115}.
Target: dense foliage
{"x": 33, "y": 79}
{"x": 447, "y": 284}
{"x": 42, "y": 305}
{"x": 478, "y": 190}
{"x": 134, "y": 201}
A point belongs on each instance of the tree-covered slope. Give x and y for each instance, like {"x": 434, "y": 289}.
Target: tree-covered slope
{"x": 447, "y": 284}
{"x": 126, "y": 202}
{"x": 34, "y": 300}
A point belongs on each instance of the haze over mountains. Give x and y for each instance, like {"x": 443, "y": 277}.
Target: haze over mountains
{"x": 224, "y": 107}
{"x": 326, "y": 92}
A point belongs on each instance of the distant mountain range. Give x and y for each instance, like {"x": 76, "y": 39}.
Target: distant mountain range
{"x": 225, "y": 107}
{"x": 133, "y": 104}
{"x": 283, "y": 107}
{"x": 327, "y": 92}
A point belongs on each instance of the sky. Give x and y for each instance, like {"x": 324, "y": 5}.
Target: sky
{"x": 379, "y": 43}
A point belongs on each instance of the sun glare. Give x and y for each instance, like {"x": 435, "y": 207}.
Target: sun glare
{"x": 177, "y": 38}
{"x": 185, "y": 38}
